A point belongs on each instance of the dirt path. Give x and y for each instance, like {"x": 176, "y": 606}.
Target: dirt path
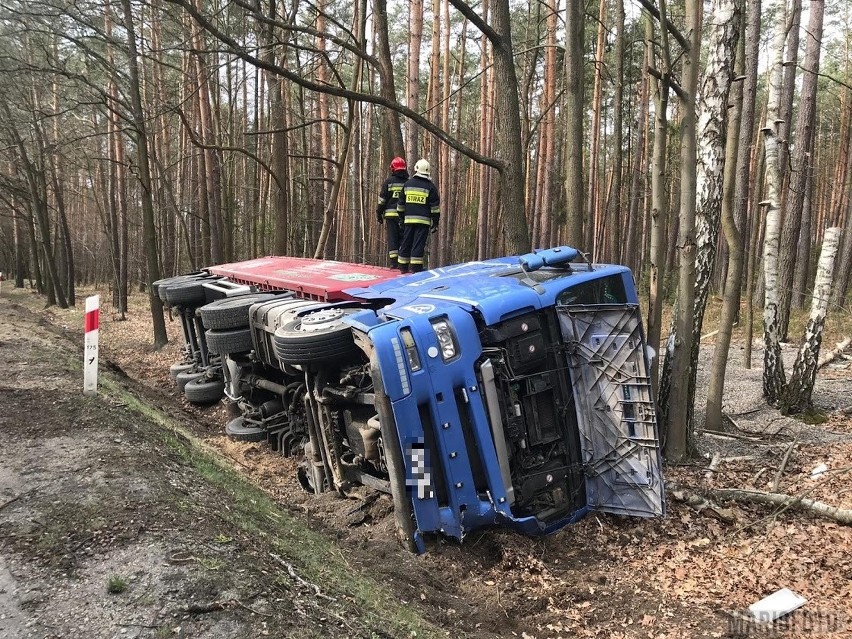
{"x": 111, "y": 527}
{"x": 128, "y": 488}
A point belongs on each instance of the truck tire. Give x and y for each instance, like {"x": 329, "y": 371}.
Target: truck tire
{"x": 179, "y": 367}
{"x": 185, "y": 377}
{"x": 237, "y": 430}
{"x": 317, "y": 337}
{"x": 204, "y": 390}
{"x": 231, "y": 312}
{"x": 160, "y": 286}
{"x": 224, "y": 342}
{"x": 188, "y": 293}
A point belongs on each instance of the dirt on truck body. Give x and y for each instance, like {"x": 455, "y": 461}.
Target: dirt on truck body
{"x": 511, "y": 392}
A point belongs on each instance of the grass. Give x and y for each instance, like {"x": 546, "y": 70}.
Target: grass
{"x": 116, "y": 585}
{"x": 316, "y": 558}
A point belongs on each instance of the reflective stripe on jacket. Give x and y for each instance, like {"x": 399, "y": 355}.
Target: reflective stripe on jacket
{"x": 389, "y": 195}
{"x": 419, "y": 202}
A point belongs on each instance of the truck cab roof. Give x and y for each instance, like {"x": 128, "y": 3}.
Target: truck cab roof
{"x": 496, "y": 289}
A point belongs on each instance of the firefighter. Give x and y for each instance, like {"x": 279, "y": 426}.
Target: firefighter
{"x": 420, "y": 211}
{"x": 386, "y": 209}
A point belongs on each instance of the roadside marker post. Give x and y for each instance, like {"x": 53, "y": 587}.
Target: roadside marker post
{"x": 90, "y": 348}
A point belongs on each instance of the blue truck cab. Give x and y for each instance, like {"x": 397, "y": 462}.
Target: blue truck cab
{"x": 513, "y": 391}
{"x": 519, "y": 388}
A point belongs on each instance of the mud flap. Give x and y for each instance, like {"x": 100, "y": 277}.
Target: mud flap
{"x": 616, "y": 416}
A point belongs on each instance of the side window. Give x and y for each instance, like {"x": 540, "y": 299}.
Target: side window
{"x": 606, "y": 290}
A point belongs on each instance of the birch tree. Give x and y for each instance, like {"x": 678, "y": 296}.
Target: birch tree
{"x": 739, "y": 147}
{"x": 712, "y": 122}
{"x": 797, "y": 395}
{"x": 773, "y": 365}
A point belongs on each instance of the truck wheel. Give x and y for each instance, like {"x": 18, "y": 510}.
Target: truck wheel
{"x": 190, "y": 293}
{"x": 179, "y": 367}
{"x": 204, "y": 390}
{"x": 231, "y": 312}
{"x": 236, "y": 429}
{"x": 317, "y": 337}
{"x": 223, "y": 342}
{"x": 185, "y": 377}
{"x": 160, "y": 286}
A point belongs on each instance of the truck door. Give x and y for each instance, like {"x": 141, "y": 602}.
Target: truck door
{"x": 605, "y": 352}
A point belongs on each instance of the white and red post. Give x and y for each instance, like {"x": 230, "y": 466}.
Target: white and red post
{"x": 90, "y": 350}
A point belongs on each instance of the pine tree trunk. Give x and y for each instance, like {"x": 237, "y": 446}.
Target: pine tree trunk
{"x": 615, "y": 213}
{"x": 149, "y": 231}
{"x": 802, "y": 157}
{"x": 593, "y": 190}
{"x": 575, "y": 19}
{"x": 788, "y": 93}
{"x": 392, "y": 143}
{"x": 679, "y": 346}
{"x": 412, "y": 96}
{"x": 659, "y": 213}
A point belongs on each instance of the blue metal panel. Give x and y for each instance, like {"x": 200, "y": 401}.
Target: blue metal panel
{"x": 490, "y": 291}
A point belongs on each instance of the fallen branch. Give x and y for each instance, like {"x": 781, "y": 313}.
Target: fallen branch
{"x": 711, "y": 469}
{"x": 834, "y": 353}
{"x": 11, "y": 501}
{"x": 701, "y": 505}
{"x": 252, "y": 610}
{"x": 783, "y": 466}
{"x": 758, "y": 475}
{"x": 201, "y": 609}
{"x": 721, "y": 435}
{"x": 840, "y": 515}
{"x": 139, "y": 625}
{"x": 307, "y": 584}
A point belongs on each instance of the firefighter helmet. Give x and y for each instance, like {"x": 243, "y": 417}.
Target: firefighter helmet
{"x": 422, "y": 168}
{"x": 397, "y": 164}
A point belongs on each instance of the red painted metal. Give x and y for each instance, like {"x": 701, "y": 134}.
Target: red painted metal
{"x": 323, "y": 280}
{"x": 92, "y": 320}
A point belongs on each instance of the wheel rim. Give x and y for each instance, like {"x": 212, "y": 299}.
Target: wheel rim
{"x": 321, "y": 320}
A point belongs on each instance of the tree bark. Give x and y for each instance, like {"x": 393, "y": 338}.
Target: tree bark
{"x": 712, "y": 126}
{"x": 802, "y": 154}
{"x": 573, "y": 106}
{"x": 659, "y": 214}
{"x": 773, "y": 365}
{"x": 798, "y": 392}
{"x": 675, "y": 396}
{"x": 733, "y": 237}
{"x": 593, "y": 191}
{"x": 392, "y": 143}
{"x": 149, "y": 231}
{"x": 615, "y": 214}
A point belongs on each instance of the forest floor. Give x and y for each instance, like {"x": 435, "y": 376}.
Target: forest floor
{"x": 137, "y": 491}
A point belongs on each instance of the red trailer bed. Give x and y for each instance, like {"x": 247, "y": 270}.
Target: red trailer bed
{"x": 322, "y": 280}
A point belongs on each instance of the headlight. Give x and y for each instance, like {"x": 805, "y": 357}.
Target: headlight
{"x": 410, "y": 349}
{"x": 446, "y": 339}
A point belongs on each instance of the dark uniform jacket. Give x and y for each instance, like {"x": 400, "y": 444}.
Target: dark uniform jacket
{"x": 419, "y": 202}
{"x": 389, "y": 194}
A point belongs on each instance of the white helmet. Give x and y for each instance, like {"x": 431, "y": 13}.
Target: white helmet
{"x": 422, "y": 168}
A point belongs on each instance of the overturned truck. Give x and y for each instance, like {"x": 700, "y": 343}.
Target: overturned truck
{"x": 512, "y": 391}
